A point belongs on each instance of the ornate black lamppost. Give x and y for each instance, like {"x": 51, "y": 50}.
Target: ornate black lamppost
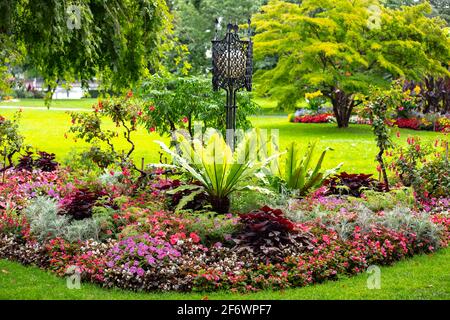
{"x": 232, "y": 70}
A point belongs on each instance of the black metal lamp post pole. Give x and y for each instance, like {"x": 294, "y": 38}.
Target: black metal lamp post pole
{"x": 232, "y": 70}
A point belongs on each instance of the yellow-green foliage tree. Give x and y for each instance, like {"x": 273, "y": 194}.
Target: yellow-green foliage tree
{"x": 343, "y": 46}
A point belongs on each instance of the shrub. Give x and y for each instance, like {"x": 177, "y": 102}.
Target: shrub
{"x": 268, "y": 235}
{"x": 352, "y": 184}
{"x": 424, "y": 167}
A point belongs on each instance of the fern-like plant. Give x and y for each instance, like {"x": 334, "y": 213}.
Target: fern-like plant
{"x": 219, "y": 170}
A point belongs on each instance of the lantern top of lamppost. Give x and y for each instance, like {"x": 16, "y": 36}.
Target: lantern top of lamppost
{"x": 232, "y": 59}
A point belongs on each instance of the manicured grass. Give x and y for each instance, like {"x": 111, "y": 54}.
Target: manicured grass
{"x": 355, "y": 146}
{"x": 85, "y": 103}
{"x": 421, "y": 277}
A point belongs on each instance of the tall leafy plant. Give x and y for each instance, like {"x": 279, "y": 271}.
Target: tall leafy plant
{"x": 219, "y": 170}
{"x": 300, "y": 174}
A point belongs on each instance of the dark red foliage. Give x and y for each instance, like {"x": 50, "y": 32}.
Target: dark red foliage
{"x": 44, "y": 162}
{"x": 26, "y": 162}
{"x": 352, "y": 184}
{"x": 270, "y": 236}
{"x": 79, "y": 203}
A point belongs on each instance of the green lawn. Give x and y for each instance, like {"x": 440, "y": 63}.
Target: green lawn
{"x": 355, "y": 146}
{"x": 421, "y": 277}
{"x": 56, "y": 104}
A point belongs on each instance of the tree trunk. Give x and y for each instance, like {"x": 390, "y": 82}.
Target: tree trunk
{"x": 342, "y": 107}
{"x": 220, "y": 205}
{"x": 383, "y": 168}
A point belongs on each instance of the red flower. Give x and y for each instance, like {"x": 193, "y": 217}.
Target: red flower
{"x": 129, "y": 94}
{"x": 185, "y": 119}
{"x": 152, "y": 129}
{"x": 125, "y": 172}
{"x": 194, "y": 237}
{"x": 139, "y": 113}
{"x": 398, "y": 134}
{"x": 151, "y": 108}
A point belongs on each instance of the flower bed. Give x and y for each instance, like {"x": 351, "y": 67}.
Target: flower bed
{"x": 140, "y": 244}
{"x": 313, "y": 118}
{"x": 440, "y": 124}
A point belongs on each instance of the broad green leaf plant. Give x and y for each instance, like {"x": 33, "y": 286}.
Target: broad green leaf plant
{"x": 300, "y": 174}
{"x": 220, "y": 170}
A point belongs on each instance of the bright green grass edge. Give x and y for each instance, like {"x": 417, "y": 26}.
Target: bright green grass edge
{"x": 421, "y": 277}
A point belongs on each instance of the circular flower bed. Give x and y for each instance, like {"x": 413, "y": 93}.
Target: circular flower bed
{"x": 137, "y": 243}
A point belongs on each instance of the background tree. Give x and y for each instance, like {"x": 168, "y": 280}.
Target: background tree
{"x": 174, "y": 103}
{"x": 341, "y": 47}
{"x": 194, "y": 24}
{"x": 117, "y": 41}
{"x": 439, "y": 7}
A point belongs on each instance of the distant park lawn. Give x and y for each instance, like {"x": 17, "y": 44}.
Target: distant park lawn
{"x": 355, "y": 146}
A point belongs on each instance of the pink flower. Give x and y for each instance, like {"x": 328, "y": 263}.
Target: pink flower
{"x": 326, "y": 239}
{"x": 185, "y": 119}
{"x": 194, "y": 237}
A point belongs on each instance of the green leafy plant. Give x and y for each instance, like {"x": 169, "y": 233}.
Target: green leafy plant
{"x": 11, "y": 141}
{"x": 423, "y": 166}
{"x": 124, "y": 113}
{"x": 175, "y": 103}
{"x": 300, "y": 176}
{"x": 219, "y": 170}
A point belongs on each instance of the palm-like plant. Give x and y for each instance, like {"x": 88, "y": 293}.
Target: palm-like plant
{"x": 299, "y": 175}
{"x": 217, "y": 168}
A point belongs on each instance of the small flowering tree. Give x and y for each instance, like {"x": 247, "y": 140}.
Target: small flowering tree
{"x": 378, "y": 107}
{"x": 124, "y": 113}
{"x": 11, "y": 141}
